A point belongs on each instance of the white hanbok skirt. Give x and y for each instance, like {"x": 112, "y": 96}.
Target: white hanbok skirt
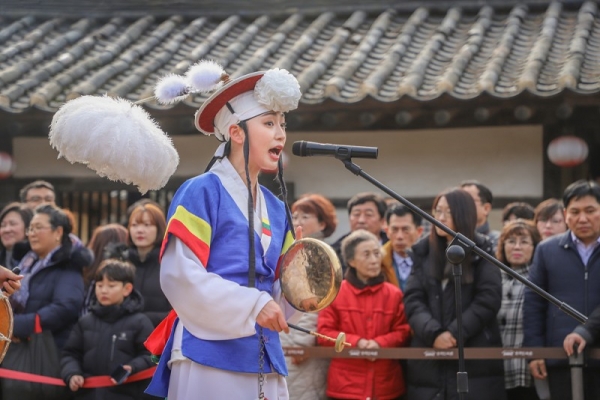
{"x": 193, "y": 381}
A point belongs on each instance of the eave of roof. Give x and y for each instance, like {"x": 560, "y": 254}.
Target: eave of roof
{"x": 346, "y": 57}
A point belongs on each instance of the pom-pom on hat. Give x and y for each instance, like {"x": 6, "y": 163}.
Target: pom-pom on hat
{"x": 247, "y": 97}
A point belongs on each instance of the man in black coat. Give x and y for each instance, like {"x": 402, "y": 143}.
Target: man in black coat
{"x": 583, "y": 334}
{"x": 568, "y": 267}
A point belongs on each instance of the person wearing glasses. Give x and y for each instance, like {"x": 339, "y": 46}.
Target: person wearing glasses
{"x": 37, "y": 192}
{"x": 52, "y": 286}
{"x": 429, "y": 301}
{"x": 567, "y": 266}
{"x": 549, "y": 218}
{"x": 517, "y": 243}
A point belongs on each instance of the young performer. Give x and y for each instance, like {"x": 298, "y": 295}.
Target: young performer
{"x": 224, "y": 240}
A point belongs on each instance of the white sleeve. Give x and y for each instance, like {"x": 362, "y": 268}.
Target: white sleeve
{"x": 209, "y": 306}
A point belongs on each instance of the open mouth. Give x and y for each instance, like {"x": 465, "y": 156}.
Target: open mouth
{"x": 275, "y": 151}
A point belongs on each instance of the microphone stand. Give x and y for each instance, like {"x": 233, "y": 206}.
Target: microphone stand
{"x": 460, "y": 247}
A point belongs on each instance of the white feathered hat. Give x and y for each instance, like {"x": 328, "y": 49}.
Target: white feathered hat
{"x": 119, "y": 140}
{"x": 247, "y": 97}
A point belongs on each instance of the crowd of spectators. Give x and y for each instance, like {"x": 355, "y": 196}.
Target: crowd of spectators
{"x": 100, "y": 300}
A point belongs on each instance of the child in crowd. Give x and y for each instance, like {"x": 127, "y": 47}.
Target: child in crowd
{"x": 110, "y": 337}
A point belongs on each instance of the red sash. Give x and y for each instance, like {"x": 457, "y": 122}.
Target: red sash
{"x": 157, "y": 340}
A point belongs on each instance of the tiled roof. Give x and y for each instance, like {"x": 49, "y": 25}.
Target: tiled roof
{"x": 343, "y": 57}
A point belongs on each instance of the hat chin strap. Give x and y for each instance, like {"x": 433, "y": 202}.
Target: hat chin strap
{"x": 284, "y": 192}
{"x": 222, "y": 151}
{"x": 251, "y": 250}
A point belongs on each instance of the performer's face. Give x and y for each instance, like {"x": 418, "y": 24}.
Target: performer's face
{"x": 267, "y": 138}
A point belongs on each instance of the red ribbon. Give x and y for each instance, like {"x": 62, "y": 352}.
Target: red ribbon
{"x": 89, "y": 383}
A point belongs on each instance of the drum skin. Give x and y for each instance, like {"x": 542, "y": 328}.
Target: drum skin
{"x": 6, "y": 325}
{"x": 311, "y": 275}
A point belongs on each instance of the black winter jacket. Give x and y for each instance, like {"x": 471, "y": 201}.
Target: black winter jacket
{"x": 431, "y": 310}
{"x": 104, "y": 339}
{"x": 147, "y": 282}
{"x": 55, "y": 294}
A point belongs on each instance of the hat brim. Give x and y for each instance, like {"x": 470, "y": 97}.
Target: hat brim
{"x": 205, "y": 116}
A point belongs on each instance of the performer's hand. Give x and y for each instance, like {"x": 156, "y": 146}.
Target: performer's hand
{"x": 572, "y": 340}
{"x": 271, "y": 317}
{"x": 362, "y": 343}
{"x": 444, "y": 341}
{"x": 10, "y": 281}
{"x": 75, "y": 382}
{"x": 538, "y": 369}
{"x": 298, "y": 231}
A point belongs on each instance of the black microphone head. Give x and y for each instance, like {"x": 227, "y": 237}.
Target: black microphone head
{"x": 299, "y": 148}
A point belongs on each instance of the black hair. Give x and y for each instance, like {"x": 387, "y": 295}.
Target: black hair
{"x": 39, "y": 184}
{"x": 519, "y": 209}
{"x": 57, "y": 218}
{"x": 464, "y": 218}
{"x": 547, "y": 209}
{"x": 362, "y": 198}
{"x": 25, "y": 212}
{"x": 579, "y": 189}
{"x": 485, "y": 194}
{"x": 115, "y": 270}
{"x": 401, "y": 210}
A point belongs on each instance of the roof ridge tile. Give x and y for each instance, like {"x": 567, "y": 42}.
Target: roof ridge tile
{"x": 262, "y": 53}
{"x": 243, "y": 41}
{"x": 569, "y": 75}
{"x": 112, "y": 52}
{"x": 330, "y": 51}
{"x": 305, "y": 40}
{"x": 416, "y": 73}
{"x": 464, "y": 56}
{"x": 372, "y": 83}
{"x": 29, "y": 40}
{"x": 489, "y": 78}
{"x": 10, "y": 30}
{"x": 153, "y": 63}
{"x": 335, "y": 84}
{"x": 539, "y": 53}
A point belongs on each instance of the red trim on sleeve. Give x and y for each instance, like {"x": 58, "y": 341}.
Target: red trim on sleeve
{"x": 37, "y": 328}
{"x": 198, "y": 247}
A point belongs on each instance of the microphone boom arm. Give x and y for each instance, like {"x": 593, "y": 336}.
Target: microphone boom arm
{"x": 467, "y": 244}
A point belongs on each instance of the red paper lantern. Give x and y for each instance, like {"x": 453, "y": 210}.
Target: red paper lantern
{"x": 567, "y": 151}
{"x": 7, "y": 165}
{"x": 284, "y": 159}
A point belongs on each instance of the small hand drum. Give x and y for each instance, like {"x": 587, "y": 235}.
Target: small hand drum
{"x": 6, "y": 325}
{"x": 311, "y": 275}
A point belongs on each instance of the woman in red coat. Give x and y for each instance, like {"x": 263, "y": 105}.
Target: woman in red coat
{"x": 371, "y": 313}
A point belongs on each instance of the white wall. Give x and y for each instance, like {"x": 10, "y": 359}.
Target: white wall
{"x": 413, "y": 163}
{"x": 422, "y": 163}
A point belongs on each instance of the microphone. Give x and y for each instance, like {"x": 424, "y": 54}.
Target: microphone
{"x": 339, "y": 151}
